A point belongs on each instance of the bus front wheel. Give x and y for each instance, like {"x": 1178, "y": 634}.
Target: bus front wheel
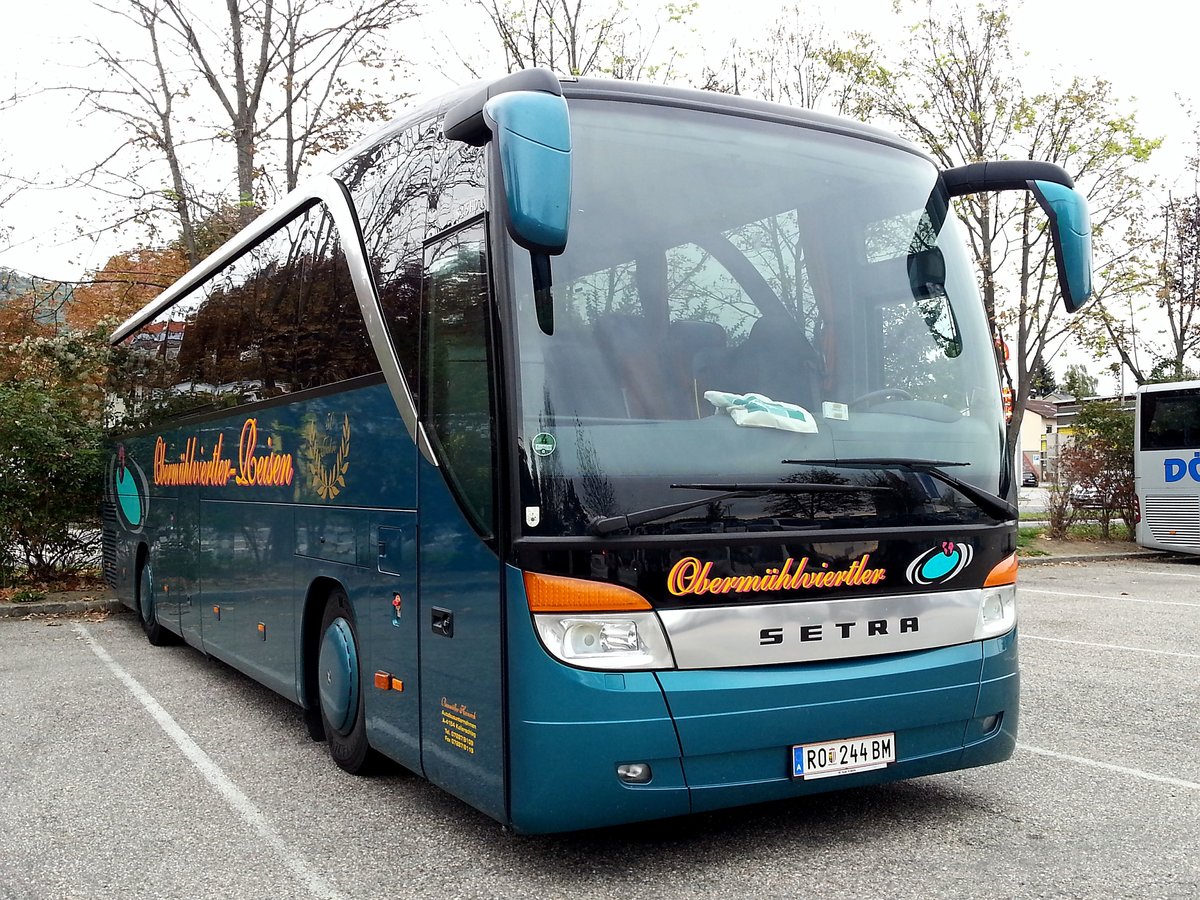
{"x": 156, "y": 634}
{"x": 339, "y": 686}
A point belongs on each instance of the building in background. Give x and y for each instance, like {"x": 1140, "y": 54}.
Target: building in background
{"x": 1057, "y": 413}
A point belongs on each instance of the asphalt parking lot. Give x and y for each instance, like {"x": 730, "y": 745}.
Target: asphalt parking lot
{"x": 130, "y": 771}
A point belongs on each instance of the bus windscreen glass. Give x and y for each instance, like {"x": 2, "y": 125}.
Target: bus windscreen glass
{"x": 754, "y": 292}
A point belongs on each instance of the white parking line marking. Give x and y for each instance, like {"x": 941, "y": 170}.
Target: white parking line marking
{"x": 1026, "y": 590}
{"x": 1122, "y": 770}
{"x": 1165, "y": 571}
{"x": 213, "y": 774}
{"x": 1035, "y": 637}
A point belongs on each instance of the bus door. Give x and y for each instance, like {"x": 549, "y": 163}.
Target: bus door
{"x": 461, "y": 633}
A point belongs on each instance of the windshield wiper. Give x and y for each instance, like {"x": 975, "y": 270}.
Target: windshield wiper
{"x": 609, "y": 524}
{"x": 996, "y": 507}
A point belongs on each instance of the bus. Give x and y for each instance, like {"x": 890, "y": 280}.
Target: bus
{"x": 598, "y": 451}
{"x": 1166, "y": 466}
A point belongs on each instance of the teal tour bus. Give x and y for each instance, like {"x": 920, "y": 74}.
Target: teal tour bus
{"x": 599, "y": 451}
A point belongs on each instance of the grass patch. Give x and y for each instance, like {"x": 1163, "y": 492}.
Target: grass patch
{"x": 22, "y": 595}
{"x": 1091, "y": 532}
{"x": 1025, "y": 541}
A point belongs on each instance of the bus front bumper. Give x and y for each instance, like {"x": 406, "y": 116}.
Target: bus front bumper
{"x": 720, "y": 738}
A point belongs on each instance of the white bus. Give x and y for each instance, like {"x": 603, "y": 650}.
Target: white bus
{"x": 1166, "y": 466}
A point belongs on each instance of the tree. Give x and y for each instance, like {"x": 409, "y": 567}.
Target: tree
{"x": 126, "y": 283}
{"x": 1152, "y": 321}
{"x": 33, "y": 308}
{"x": 50, "y": 452}
{"x": 1079, "y": 383}
{"x": 958, "y": 91}
{"x": 573, "y": 38}
{"x": 10, "y": 185}
{"x": 1042, "y": 380}
{"x": 1100, "y": 461}
{"x": 798, "y": 63}
{"x": 1179, "y": 289}
{"x": 273, "y": 73}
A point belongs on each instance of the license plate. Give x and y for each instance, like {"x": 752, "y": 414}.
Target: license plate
{"x": 829, "y": 758}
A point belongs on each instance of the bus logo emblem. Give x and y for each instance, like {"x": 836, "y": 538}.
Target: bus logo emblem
{"x": 327, "y": 481}
{"x": 544, "y": 444}
{"x": 127, "y": 491}
{"x": 939, "y": 564}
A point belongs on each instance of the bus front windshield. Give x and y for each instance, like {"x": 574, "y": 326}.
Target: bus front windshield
{"x": 752, "y": 321}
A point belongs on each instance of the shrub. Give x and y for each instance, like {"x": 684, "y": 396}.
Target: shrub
{"x": 1099, "y": 464}
{"x": 51, "y": 461}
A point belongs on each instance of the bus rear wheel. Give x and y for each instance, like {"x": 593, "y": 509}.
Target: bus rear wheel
{"x": 156, "y": 634}
{"x": 339, "y": 686}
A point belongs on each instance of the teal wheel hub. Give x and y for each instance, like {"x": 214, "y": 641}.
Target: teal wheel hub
{"x": 146, "y": 594}
{"x": 338, "y": 675}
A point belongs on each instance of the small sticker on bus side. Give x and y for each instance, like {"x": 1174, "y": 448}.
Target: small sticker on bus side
{"x": 533, "y": 516}
{"x": 544, "y": 443}
{"x": 459, "y": 726}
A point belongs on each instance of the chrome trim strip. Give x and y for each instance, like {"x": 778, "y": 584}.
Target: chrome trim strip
{"x": 323, "y": 189}
{"x": 770, "y": 634}
{"x": 346, "y": 221}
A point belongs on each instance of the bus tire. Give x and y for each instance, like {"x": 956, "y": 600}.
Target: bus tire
{"x": 339, "y": 686}
{"x": 156, "y": 634}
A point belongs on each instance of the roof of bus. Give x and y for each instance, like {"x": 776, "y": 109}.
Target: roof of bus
{"x": 1169, "y": 386}
{"x": 668, "y": 95}
{"x": 607, "y": 88}
{"x": 572, "y": 88}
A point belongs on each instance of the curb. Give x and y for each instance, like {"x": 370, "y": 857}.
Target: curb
{"x": 58, "y": 608}
{"x": 1090, "y": 557}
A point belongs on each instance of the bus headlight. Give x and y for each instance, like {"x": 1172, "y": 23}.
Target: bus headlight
{"x": 997, "y": 611}
{"x": 606, "y": 640}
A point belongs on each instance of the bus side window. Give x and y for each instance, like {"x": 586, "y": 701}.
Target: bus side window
{"x": 457, "y": 388}
{"x": 392, "y": 185}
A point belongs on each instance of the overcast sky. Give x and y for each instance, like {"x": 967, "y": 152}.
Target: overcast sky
{"x": 1150, "y": 55}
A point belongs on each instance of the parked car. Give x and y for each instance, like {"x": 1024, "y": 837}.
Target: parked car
{"x": 1084, "y": 497}
{"x": 1028, "y": 479}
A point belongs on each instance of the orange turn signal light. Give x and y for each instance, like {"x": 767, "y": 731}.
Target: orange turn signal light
{"x": 387, "y": 682}
{"x": 1004, "y": 572}
{"x": 556, "y": 594}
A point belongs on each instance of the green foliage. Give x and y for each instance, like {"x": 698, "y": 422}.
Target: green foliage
{"x": 1170, "y": 370}
{"x": 51, "y": 463}
{"x": 1107, "y": 424}
{"x": 1026, "y": 540}
{"x": 1078, "y": 382}
{"x": 1042, "y": 380}
{"x": 51, "y": 467}
{"x": 1100, "y": 462}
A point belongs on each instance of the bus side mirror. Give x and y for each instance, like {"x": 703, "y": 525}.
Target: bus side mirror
{"x": 532, "y": 132}
{"x": 1070, "y": 225}
{"x": 1071, "y": 229}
